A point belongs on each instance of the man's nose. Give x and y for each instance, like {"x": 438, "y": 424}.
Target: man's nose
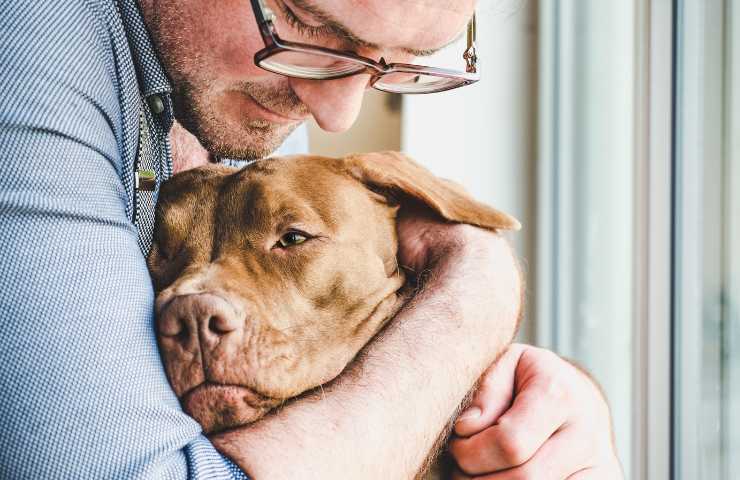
{"x": 334, "y": 104}
{"x": 199, "y": 318}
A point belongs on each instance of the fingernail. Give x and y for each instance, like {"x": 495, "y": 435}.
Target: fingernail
{"x": 469, "y": 414}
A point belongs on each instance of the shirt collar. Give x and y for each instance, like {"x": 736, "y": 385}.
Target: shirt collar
{"x": 149, "y": 70}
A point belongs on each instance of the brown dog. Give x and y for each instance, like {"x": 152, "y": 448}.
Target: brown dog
{"x": 270, "y": 279}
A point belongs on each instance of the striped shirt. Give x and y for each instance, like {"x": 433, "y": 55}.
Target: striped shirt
{"x": 84, "y": 103}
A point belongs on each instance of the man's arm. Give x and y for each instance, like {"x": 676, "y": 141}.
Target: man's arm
{"x": 82, "y": 390}
{"x": 380, "y": 418}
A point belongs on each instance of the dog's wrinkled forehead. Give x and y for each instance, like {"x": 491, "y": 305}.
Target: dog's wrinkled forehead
{"x": 266, "y": 198}
{"x": 274, "y": 195}
{"x": 276, "y": 188}
{"x": 334, "y": 195}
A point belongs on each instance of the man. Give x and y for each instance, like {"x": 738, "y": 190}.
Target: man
{"x": 84, "y": 104}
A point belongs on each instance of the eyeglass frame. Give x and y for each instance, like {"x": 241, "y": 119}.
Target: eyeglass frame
{"x": 377, "y": 69}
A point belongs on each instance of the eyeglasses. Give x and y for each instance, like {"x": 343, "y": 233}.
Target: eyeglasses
{"x": 299, "y": 60}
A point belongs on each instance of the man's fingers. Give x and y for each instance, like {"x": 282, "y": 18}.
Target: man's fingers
{"x": 555, "y": 428}
{"x": 493, "y": 397}
{"x": 559, "y": 458}
{"x": 537, "y": 412}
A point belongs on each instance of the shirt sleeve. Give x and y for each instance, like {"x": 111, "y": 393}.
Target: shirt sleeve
{"x": 83, "y": 393}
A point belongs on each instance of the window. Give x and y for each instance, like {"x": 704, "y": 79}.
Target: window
{"x": 612, "y": 130}
{"x": 707, "y": 267}
{"x": 586, "y": 195}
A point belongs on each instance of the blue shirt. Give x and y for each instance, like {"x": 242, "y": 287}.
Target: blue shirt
{"x": 84, "y": 102}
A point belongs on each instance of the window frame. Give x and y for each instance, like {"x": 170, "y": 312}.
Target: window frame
{"x": 654, "y": 170}
{"x": 705, "y": 112}
{"x": 653, "y": 115}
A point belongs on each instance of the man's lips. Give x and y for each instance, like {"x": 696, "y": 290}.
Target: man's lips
{"x": 272, "y": 115}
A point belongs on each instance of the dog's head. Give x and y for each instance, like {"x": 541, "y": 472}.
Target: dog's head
{"x": 270, "y": 279}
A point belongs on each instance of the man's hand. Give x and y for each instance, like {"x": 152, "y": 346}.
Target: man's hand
{"x": 535, "y": 416}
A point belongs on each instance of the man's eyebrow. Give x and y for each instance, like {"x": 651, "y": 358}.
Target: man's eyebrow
{"x": 309, "y": 7}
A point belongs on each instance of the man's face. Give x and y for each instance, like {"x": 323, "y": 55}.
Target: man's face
{"x": 235, "y": 108}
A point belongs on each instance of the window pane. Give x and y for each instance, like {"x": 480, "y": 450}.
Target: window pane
{"x": 585, "y": 304}
{"x": 731, "y": 260}
{"x": 707, "y": 360}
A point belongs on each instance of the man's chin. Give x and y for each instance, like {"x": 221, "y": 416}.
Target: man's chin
{"x": 251, "y": 141}
{"x": 226, "y": 128}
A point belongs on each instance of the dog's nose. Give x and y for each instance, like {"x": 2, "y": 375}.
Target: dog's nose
{"x": 206, "y": 315}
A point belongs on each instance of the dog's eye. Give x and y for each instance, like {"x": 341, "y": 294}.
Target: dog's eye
{"x": 292, "y": 238}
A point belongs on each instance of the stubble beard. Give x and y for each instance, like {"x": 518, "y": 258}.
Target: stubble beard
{"x": 244, "y": 138}
{"x": 197, "y": 92}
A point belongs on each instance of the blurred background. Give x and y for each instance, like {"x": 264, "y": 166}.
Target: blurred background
{"x": 608, "y": 127}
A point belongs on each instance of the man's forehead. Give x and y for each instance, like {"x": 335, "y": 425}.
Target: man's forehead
{"x": 420, "y": 26}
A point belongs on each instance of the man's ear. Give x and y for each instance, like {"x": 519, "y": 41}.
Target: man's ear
{"x": 394, "y": 174}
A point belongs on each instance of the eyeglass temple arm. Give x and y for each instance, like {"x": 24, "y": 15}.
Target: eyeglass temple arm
{"x": 470, "y": 57}
{"x": 261, "y": 12}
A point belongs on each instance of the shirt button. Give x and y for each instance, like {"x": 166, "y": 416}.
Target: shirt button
{"x": 156, "y": 104}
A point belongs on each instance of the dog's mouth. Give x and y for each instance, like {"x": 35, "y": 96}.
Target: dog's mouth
{"x": 219, "y": 407}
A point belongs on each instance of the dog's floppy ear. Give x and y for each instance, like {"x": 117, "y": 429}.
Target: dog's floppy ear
{"x": 393, "y": 173}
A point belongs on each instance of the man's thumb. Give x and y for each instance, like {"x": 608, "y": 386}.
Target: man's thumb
{"x": 494, "y": 395}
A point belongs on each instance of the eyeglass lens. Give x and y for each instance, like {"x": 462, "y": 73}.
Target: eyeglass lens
{"x": 309, "y": 65}
{"x": 319, "y": 66}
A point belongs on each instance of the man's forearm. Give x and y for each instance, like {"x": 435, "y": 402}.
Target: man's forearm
{"x": 381, "y": 417}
